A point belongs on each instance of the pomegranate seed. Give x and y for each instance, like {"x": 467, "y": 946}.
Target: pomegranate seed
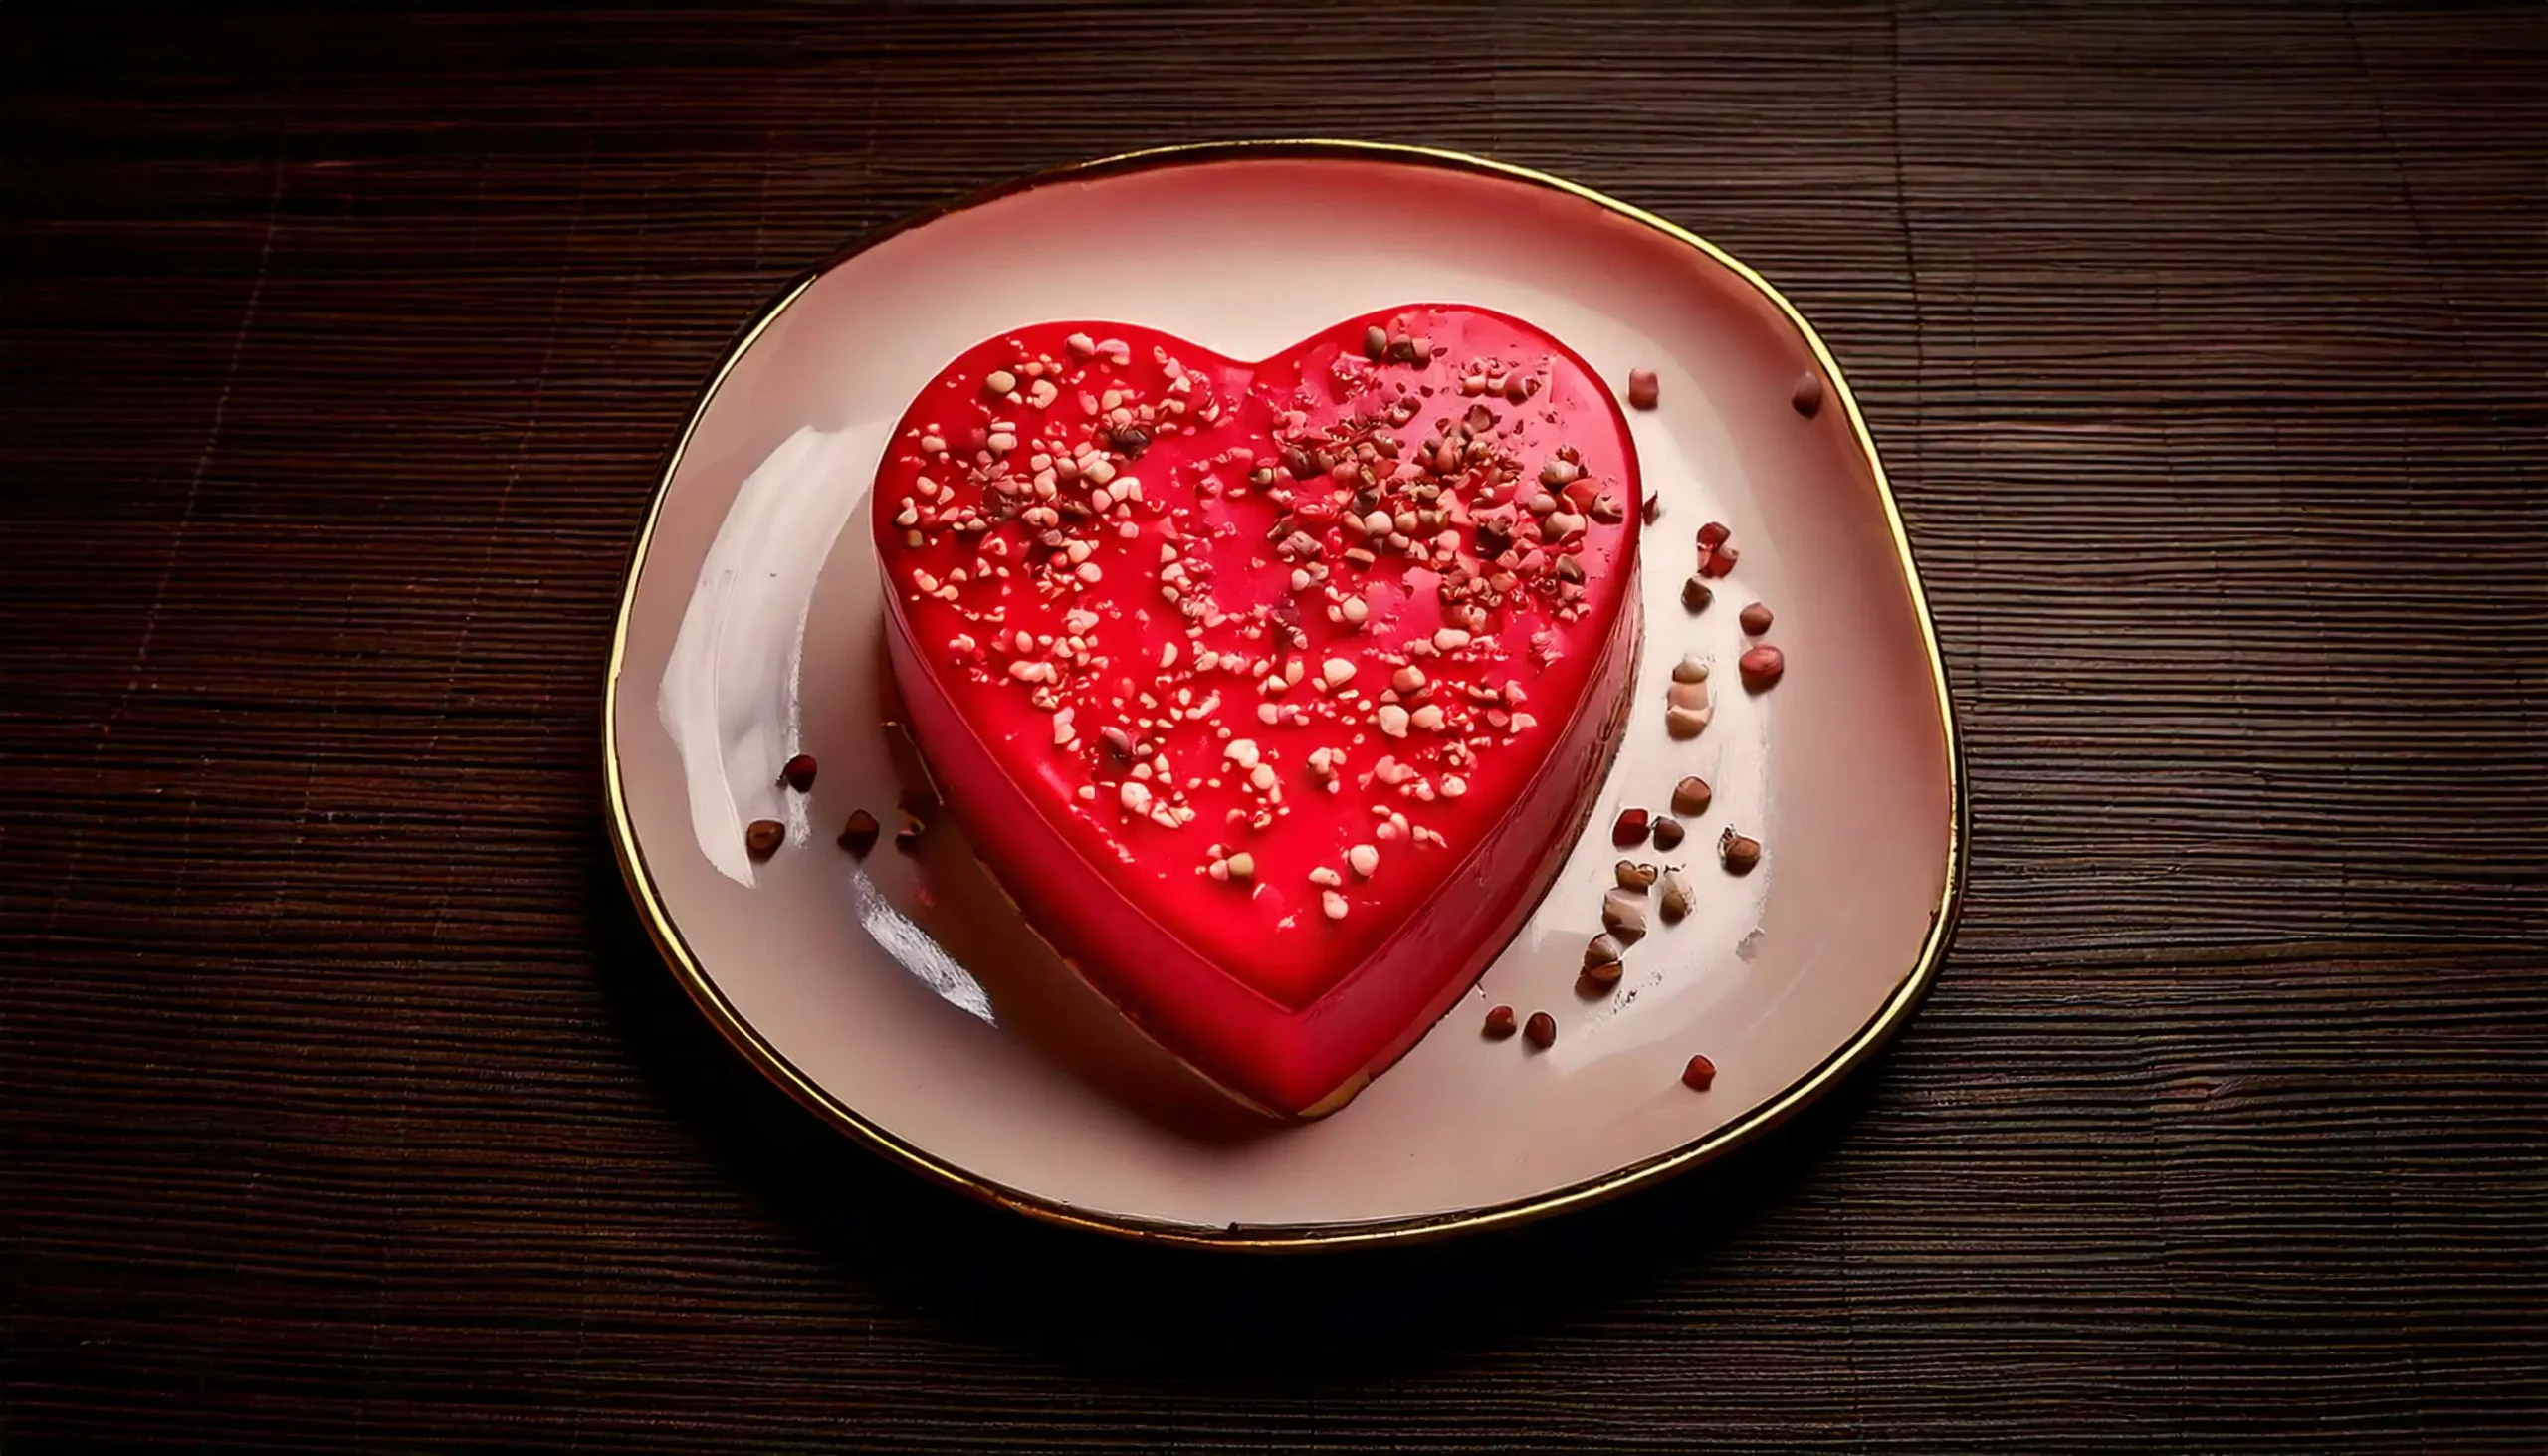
{"x": 1630, "y": 829}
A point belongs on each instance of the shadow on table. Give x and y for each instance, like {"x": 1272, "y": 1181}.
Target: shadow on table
{"x": 1120, "y": 1307}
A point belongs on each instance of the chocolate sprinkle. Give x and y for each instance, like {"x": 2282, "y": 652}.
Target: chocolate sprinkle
{"x": 1739, "y": 851}
{"x": 1623, "y": 916}
{"x": 1691, "y": 797}
{"x": 859, "y": 835}
{"x": 1808, "y": 398}
{"x": 1676, "y": 899}
{"x": 1605, "y": 950}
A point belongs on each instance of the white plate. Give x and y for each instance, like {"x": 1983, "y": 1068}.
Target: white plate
{"x": 899, "y": 995}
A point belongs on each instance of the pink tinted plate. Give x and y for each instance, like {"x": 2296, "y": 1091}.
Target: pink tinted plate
{"x": 901, "y": 996}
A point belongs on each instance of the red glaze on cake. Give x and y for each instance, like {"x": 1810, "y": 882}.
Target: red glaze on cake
{"x": 1369, "y": 624}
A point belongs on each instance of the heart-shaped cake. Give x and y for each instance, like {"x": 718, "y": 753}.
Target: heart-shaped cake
{"x": 1274, "y": 693}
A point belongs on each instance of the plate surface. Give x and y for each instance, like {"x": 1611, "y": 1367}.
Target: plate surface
{"x": 902, "y": 997}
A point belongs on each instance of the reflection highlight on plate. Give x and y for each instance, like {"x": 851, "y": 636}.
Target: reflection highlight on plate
{"x": 901, "y": 938}
{"x": 731, "y": 695}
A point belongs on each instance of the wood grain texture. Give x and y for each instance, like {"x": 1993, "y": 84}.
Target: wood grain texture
{"x": 342, "y": 1106}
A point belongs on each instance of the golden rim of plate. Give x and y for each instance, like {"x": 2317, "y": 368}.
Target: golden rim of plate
{"x": 1289, "y": 1237}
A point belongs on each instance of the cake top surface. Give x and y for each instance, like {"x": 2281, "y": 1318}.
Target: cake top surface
{"x": 1282, "y": 642}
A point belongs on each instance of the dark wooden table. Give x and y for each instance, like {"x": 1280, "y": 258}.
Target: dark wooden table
{"x": 343, "y": 1108}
